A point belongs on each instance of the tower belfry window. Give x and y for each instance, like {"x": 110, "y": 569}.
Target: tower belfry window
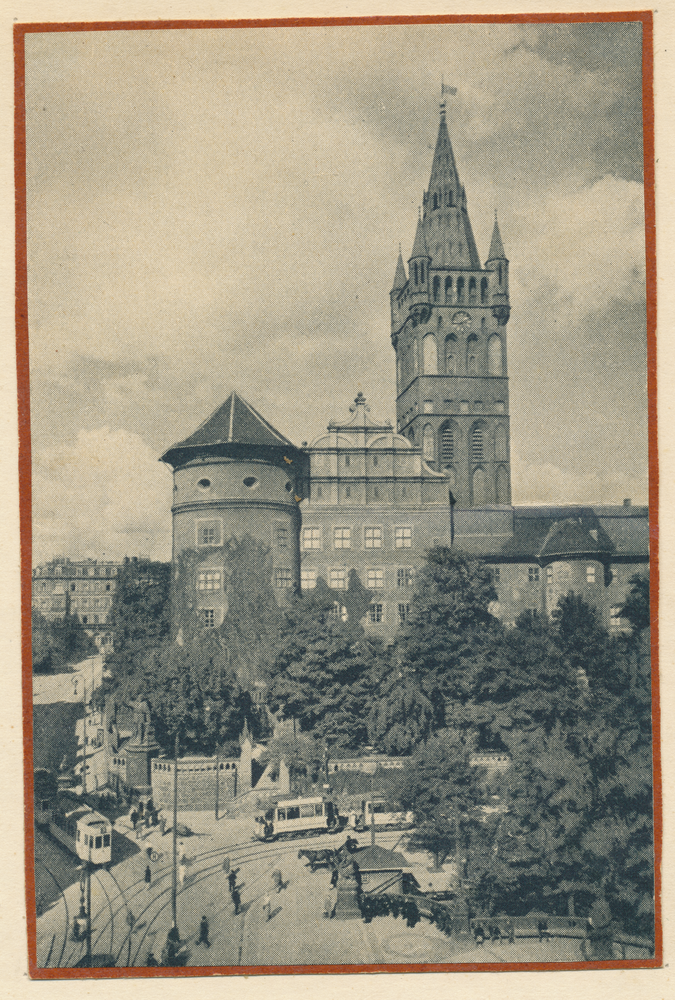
{"x": 477, "y": 444}
{"x": 448, "y": 291}
{"x": 447, "y": 446}
{"x": 460, "y": 290}
{"x": 415, "y": 272}
{"x": 472, "y": 291}
{"x": 435, "y": 200}
{"x": 483, "y": 291}
{"x": 437, "y": 288}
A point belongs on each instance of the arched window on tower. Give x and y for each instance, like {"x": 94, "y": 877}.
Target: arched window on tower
{"x": 422, "y": 273}
{"x": 435, "y": 200}
{"x": 428, "y": 443}
{"x": 416, "y": 274}
{"x": 502, "y": 484}
{"x": 479, "y": 488}
{"x": 495, "y": 359}
{"x": 471, "y": 355}
{"x": 483, "y": 291}
{"x": 499, "y": 268}
{"x": 398, "y": 370}
{"x": 450, "y": 354}
{"x": 500, "y": 443}
{"x": 460, "y": 291}
{"x": 472, "y": 291}
{"x": 437, "y": 288}
{"x": 448, "y": 291}
{"x": 477, "y": 444}
{"x": 447, "y": 445}
{"x": 430, "y": 355}
{"x": 416, "y": 358}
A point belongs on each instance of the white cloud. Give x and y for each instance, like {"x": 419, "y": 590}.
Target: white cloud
{"x": 104, "y": 495}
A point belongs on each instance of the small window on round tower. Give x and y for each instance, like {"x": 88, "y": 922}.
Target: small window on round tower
{"x": 289, "y": 485}
{"x": 204, "y": 484}
{"x": 250, "y": 482}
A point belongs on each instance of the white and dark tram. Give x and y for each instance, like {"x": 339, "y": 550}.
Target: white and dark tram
{"x": 82, "y": 830}
{"x": 296, "y": 818}
{"x": 381, "y": 813}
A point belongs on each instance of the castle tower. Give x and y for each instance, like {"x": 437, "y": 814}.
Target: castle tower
{"x": 448, "y": 329}
{"x": 236, "y": 522}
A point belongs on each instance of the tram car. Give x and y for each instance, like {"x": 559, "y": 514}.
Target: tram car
{"x": 297, "y": 818}
{"x": 82, "y": 831}
{"x": 383, "y": 814}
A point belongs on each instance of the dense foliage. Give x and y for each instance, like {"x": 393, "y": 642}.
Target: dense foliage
{"x": 58, "y": 644}
{"x": 568, "y": 823}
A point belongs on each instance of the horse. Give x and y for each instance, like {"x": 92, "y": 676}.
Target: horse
{"x": 317, "y": 858}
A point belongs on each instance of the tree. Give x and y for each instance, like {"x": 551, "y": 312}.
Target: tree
{"x": 193, "y": 693}
{"x": 636, "y": 606}
{"x": 445, "y": 791}
{"x": 450, "y": 628}
{"x": 581, "y": 639}
{"x": 402, "y": 714}
{"x": 322, "y": 675}
{"x": 58, "y": 643}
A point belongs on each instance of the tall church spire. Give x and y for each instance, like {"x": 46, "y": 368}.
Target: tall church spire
{"x": 399, "y": 277}
{"x": 447, "y": 228}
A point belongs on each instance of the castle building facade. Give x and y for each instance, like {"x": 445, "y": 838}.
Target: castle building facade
{"x": 84, "y": 588}
{"x": 365, "y": 501}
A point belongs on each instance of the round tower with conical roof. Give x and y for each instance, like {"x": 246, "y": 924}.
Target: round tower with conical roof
{"x": 448, "y": 329}
{"x": 236, "y": 521}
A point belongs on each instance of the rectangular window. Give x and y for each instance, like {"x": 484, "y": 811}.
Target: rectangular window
{"x": 311, "y": 538}
{"x": 282, "y": 577}
{"x": 208, "y": 617}
{"x": 307, "y": 810}
{"x": 533, "y": 574}
{"x": 347, "y": 461}
{"x": 209, "y": 531}
{"x": 209, "y": 579}
{"x": 99, "y": 842}
{"x": 404, "y": 576}
{"x": 281, "y": 814}
{"x": 318, "y": 809}
{"x": 338, "y": 579}
{"x": 375, "y": 613}
{"x": 372, "y": 538}
{"x": 549, "y": 574}
{"x": 338, "y": 611}
{"x": 403, "y": 538}
{"x": 496, "y": 574}
{"x": 428, "y": 406}
{"x": 342, "y": 538}
{"x": 348, "y": 491}
{"x": 106, "y": 840}
{"x": 375, "y": 579}
{"x": 293, "y": 812}
{"x": 281, "y": 536}
{"x": 308, "y": 579}
{"x": 590, "y": 574}
{"x": 403, "y": 613}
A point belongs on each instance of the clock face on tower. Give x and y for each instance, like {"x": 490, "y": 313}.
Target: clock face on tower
{"x": 461, "y": 320}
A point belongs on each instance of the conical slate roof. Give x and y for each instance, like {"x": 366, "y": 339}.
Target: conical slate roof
{"x": 569, "y": 537}
{"x": 419, "y": 246}
{"x": 399, "y": 278}
{"x": 445, "y": 230}
{"x": 234, "y": 423}
{"x": 496, "y": 246}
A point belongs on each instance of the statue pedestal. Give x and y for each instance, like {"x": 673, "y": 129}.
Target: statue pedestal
{"x": 347, "y": 906}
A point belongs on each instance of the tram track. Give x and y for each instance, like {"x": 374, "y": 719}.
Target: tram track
{"x": 127, "y": 895}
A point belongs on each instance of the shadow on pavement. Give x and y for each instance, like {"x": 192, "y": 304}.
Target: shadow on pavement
{"x": 122, "y": 848}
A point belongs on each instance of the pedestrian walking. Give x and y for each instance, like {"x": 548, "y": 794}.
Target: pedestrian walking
{"x": 232, "y": 881}
{"x": 134, "y": 819}
{"x": 148, "y": 851}
{"x": 236, "y": 899}
{"x": 204, "y": 932}
{"x": 226, "y": 864}
{"x": 352, "y": 819}
{"x": 148, "y": 819}
{"x": 495, "y": 934}
{"x": 479, "y": 935}
{"x": 510, "y": 930}
{"x": 148, "y": 876}
{"x": 542, "y": 929}
{"x": 277, "y": 879}
{"x": 267, "y": 906}
{"x": 162, "y": 825}
{"x": 334, "y": 878}
{"x": 140, "y": 809}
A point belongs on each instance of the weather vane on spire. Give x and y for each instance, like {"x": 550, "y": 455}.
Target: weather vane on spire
{"x": 446, "y": 89}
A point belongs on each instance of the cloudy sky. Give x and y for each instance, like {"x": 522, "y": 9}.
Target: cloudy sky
{"x": 212, "y": 210}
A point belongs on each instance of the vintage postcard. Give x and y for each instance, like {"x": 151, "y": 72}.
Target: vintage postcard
{"x": 337, "y": 383}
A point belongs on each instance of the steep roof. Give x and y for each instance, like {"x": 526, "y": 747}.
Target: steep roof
{"x": 376, "y": 857}
{"x": 399, "y": 277}
{"x": 496, "y": 245}
{"x": 235, "y": 422}
{"x": 420, "y": 244}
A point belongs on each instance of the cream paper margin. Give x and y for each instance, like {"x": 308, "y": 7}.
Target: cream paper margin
{"x": 617, "y": 985}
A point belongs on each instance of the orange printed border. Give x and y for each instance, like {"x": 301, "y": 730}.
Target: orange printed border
{"x": 22, "y": 355}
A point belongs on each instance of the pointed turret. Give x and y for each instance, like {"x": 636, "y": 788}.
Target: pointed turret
{"x": 496, "y": 245}
{"x": 400, "y": 276}
{"x": 419, "y": 248}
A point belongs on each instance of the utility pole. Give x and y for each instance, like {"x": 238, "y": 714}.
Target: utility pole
{"x": 88, "y": 930}
{"x": 372, "y": 809}
{"x": 84, "y": 735}
{"x": 452, "y": 502}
